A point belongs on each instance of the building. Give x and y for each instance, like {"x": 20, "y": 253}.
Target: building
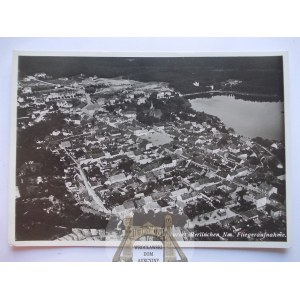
{"x": 152, "y": 206}
{"x": 118, "y": 178}
{"x": 148, "y": 199}
{"x": 267, "y": 189}
{"x": 140, "y": 132}
{"x": 176, "y": 194}
{"x": 65, "y": 144}
{"x": 260, "y": 201}
{"x": 162, "y": 95}
{"x": 187, "y": 197}
{"x": 40, "y": 75}
{"x": 238, "y": 173}
{"x": 90, "y": 109}
{"x": 129, "y": 114}
{"x": 27, "y": 90}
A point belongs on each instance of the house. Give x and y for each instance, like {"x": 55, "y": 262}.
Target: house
{"x": 76, "y": 119}
{"x": 238, "y": 227}
{"x": 149, "y": 146}
{"x": 187, "y": 197}
{"x": 274, "y": 145}
{"x": 277, "y": 213}
{"x": 148, "y": 199}
{"x": 129, "y": 114}
{"x": 55, "y": 132}
{"x": 276, "y": 198}
{"x": 158, "y": 196}
{"x": 260, "y": 201}
{"x": 65, "y": 144}
{"x": 118, "y": 178}
{"x": 177, "y": 193}
{"x": 243, "y": 156}
{"x": 140, "y": 132}
{"x": 64, "y": 104}
{"x": 267, "y": 189}
{"x": 140, "y": 202}
{"x": 90, "y": 109}
{"x": 162, "y": 95}
{"x": 252, "y": 214}
{"x": 160, "y": 174}
{"x": 40, "y": 75}
{"x": 204, "y": 182}
{"x": 231, "y": 221}
{"x": 27, "y": 90}
{"x": 222, "y": 212}
{"x": 234, "y": 159}
{"x": 152, "y": 206}
{"x": 210, "y": 188}
{"x": 238, "y": 173}
{"x": 211, "y": 174}
{"x": 129, "y": 205}
{"x": 242, "y": 172}
{"x": 234, "y": 149}
{"x": 169, "y": 165}
{"x": 222, "y": 174}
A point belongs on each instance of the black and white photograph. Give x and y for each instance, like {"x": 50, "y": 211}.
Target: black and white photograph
{"x": 101, "y": 139}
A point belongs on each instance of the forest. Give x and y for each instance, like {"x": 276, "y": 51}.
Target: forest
{"x": 259, "y": 74}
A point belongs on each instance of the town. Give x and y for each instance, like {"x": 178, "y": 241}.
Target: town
{"x": 91, "y": 149}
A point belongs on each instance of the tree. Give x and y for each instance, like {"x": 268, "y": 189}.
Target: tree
{"x": 126, "y": 164}
{"x": 90, "y": 89}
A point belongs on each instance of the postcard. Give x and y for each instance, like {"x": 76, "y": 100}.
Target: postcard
{"x": 183, "y": 149}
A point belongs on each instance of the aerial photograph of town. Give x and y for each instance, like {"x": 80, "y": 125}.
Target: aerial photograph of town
{"x": 102, "y": 139}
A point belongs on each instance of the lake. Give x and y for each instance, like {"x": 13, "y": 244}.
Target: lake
{"x": 249, "y": 119}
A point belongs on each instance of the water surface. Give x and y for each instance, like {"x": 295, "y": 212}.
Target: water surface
{"x": 250, "y": 119}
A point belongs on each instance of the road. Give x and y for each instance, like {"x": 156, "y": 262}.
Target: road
{"x": 71, "y": 137}
{"x": 53, "y": 84}
{"x": 228, "y": 92}
{"x": 91, "y": 192}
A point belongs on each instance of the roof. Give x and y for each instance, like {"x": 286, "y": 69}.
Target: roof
{"x": 259, "y": 196}
{"x": 81, "y": 105}
{"x": 242, "y": 169}
{"x": 158, "y": 195}
{"x": 129, "y": 112}
{"x": 118, "y": 177}
{"x": 153, "y": 205}
{"x": 65, "y": 144}
{"x": 250, "y": 213}
{"x": 186, "y": 196}
{"x": 119, "y": 208}
{"x": 92, "y": 106}
{"x": 265, "y": 186}
{"x": 276, "y": 197}
{"x": 180, "y": 192}
{"x": 140, "y": 202}
{"x": 148, "y": 199}
{"x": 213, "y": 147}
{"x": 128, "y": 204}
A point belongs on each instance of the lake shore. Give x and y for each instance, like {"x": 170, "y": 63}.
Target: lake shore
{"x": 247, "y": 118}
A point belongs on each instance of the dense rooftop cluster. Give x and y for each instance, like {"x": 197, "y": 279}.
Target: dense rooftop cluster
{"x": 93, "y": 150}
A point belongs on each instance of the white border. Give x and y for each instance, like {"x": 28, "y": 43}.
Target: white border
{"x": 198, "y": 244}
